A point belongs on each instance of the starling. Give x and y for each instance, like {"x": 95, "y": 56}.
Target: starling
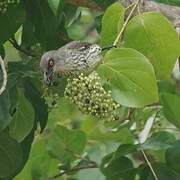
{"x": 73, "y": 59}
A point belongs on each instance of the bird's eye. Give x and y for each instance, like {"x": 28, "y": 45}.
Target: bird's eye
{"x": 51, "y": 62}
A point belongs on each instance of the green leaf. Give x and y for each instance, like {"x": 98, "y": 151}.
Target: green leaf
{"x": 46, "y": 24}
{"x": 93, "y": 132}
{"x": 166, "y": 86}
{"x": 161, "y": 170}
{"x": 171, "y": 104}
{"x": 118, "y": 168}
{"x": 112, "y": 22}
{"x": 169, "y": 2}
{"x": 158, "y": 141}
{"x": 132, "y": 77}
{"x": 28, "y": 36}
{"x": 11, "y": 21}
{"x": 66, "y": 144}
{"x": 20, "y": 70}
{"x": 40, "y": 164}
{"x": 26, "y": 146}
{"x": 5, "y": 105}
{"x": 116, "y": 165}
{"x": 23, "y": 120}
{"x": 173, "y": 156}
{"x": 124, "y": 149}
{"x": 154, "y": 36}
{"x": 38, "y": 103}
{"x": 11, "y": 155}
{"x": 54, "y": 5}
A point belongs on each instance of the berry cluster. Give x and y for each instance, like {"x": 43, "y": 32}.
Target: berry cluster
{"x": 51, "y": 99}
{"x": 4, "y": 4}
{"x": 90, "y": 97}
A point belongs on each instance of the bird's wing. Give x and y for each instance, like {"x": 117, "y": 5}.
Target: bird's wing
{"x": 78, "y": 45}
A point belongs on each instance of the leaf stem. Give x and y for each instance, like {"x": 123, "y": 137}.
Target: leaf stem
{"x": 92, "y": 165}
{"x": 144, "y": 154}
{"x": 126, "y": 22}
{"x": 3, "y": 87}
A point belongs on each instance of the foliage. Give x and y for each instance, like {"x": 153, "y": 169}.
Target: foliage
{"x": 44, "y": 136}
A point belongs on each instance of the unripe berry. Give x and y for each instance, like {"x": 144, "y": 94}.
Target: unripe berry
{"x": 91, "y": 97}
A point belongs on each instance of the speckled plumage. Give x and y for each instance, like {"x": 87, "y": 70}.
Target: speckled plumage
{"x": 74, "y": 58}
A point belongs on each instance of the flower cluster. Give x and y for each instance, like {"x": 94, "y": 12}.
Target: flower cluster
{"x": 90, "y": 97}
{"x": 4, "y": 4}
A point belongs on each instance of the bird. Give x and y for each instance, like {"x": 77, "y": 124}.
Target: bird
{"x": 72, "y": 59}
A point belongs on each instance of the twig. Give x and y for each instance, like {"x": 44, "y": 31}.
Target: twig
{"x": 149, "y": 164}
{"x": 91, "y": 164}
{"x": 130, "y": 113}
{"x": 143, "y": 152}
{"x": 126, "y": 22}
{"x": 130, "y": 6}
{"x": 3, "y": 87}
{"x": 128, "y": 116}
{"x": 178, "y": 31}
{"x": 76, "y": 168}
{"x": 19, "y": 48}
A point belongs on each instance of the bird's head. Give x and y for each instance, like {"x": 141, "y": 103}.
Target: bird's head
{"x": 47, "y": 65}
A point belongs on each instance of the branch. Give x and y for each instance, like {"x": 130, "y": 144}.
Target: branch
{"x": 126, "y": 22}
{"x": 74, "y": 169}
{"x": 3, "y": 87}
{"x": 130, "y": 113}
{"x": 84, "y": 3}
{"x": 128, "y": 116}
{"x": 19, "y": 48}
{"x": 171, "y": 12}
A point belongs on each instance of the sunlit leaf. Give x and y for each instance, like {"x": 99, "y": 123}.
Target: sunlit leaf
{"x": 131, "y": 77}
{"x": 112, "y": 22}
{"x": 154, "y": 36}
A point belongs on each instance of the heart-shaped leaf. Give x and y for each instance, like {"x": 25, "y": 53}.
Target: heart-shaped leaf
{"x": 132, "y": 77}
{"x": 153, "y": 35}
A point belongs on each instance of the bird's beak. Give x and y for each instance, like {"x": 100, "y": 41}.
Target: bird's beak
{"x": 109, "y": 47}
{"x": 48, "y": 76}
